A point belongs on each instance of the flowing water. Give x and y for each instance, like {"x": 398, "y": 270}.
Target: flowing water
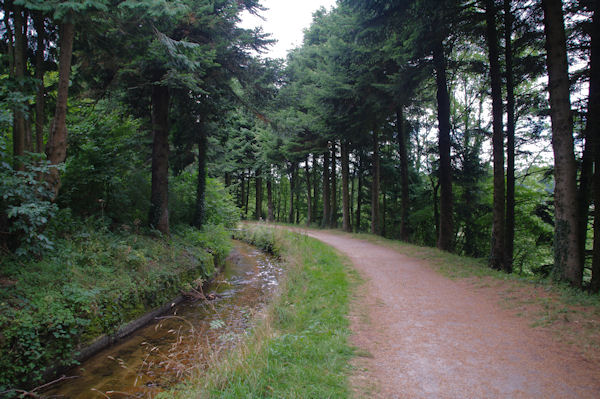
{"x": 183, "y": 342}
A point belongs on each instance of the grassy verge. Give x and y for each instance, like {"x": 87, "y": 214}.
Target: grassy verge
{"x": 300, "y": 349}
{"x": 95, "y": 281}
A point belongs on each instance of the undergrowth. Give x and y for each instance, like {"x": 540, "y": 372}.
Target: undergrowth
{"x": 96, "y": 280}
{"x": 300, "y": 349}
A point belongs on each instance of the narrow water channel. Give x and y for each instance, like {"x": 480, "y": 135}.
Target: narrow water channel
{"x": 187, "y": 340}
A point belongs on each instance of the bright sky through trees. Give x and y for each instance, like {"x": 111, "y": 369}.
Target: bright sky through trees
{"x": 285, "y": 20}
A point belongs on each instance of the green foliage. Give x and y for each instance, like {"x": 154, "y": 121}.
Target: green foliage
{"x": 219, "y": 204}
{"x": 25, "y": 205}
{"x": 95, "y": 281}
{"x": 105, "y": 171}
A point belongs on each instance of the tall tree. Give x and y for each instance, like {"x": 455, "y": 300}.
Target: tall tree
{"x": 510, "y": 138}
{"x": 496, "y": 260}
{"x": 567, "y": 265}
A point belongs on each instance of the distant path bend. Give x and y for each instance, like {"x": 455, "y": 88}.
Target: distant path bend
{"x": 433, "y": 337}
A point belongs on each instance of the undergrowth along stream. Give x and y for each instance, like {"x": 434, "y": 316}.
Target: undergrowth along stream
{"x": 100, "y": 279}
{"x": 300, "y": 349}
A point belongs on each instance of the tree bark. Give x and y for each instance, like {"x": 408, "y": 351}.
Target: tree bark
{"x": 200, "y": 211}
{"x": 159, "y": 195}
{"x": 258, "y": 199}
{"x": 567, "y": 265}
{"x": 57, "y": 139}
{"x": 593, "y": 134}
{"x": 40, "y": 116}
{"x": 496, "y": 260}
{"x": 359, "y": 192}
{"x": 242, "y": 190}
{"x": 345, "y": 193}
{"x": 446, "y": 230}
{"x": 308, "y": 192}
{"x": 403, "y": 152}
{"x": 509, "y": 242}
{"x": 326, "y": 203}
{"x": 375, "y": 228}
{"x": 334, "y": 208}
{"x": 247, "y": 199}
{"x": 270, "y": 215}
{"x": 293, "y": 168}
{"x": 19, "y": 131}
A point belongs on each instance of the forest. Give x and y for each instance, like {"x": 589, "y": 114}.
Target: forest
{"x": 467, "y": 125}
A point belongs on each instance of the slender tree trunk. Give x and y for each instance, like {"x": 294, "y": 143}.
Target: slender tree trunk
{"x": 352, "y": 184}
{"x": 567, "y": 265}
{"x": 436, "y": 210}
{"x": 334, "y": 208}
{"x": 446, "y": 229}
{"x": 40, "y": 116}
{"x": 293, "y": 168}
{"x": 496, "y": 260}
{"x": 8, "y": 8}
{"x": 159, "y": 195}
{"x": 308, "y": 193}
{"x": 200, "y": 211}
{"x": 297, "y": 202}
{"x": 19, "y": 130}
{"x": 258, "y": 202}
{"x": 242, "y": 190}
{"x": 326, "y": 203}
{"x": 315, "y": 180}
{"x": 247, "y": 199}
{"x": 509, "y": 242}
{"x": 57, "y": 139}
{"x": 375, "y": 228}
{"x": 403, "y": 152}
{"x": 227, "y": 179}
{"x": 345, "y": 194}
{"x": 359, "y": 193}
{"x": 593, "y": 129}
{"x": 270, "y": 216}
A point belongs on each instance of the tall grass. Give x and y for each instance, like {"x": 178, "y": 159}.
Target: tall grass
{"x": 300, "y": 348}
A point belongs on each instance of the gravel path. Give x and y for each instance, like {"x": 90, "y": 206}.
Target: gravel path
{"x": 426, "y": 336}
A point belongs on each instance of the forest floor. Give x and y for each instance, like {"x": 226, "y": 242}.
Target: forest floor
{"x": 423, "y": 334}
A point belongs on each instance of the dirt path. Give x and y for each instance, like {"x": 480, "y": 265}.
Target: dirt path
{"x": 432, "y": 337}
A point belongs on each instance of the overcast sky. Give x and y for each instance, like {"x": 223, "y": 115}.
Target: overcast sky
{"x": 285, "y": 20}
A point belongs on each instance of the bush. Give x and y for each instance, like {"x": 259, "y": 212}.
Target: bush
{"x": 25, "y": 205}
{"x": 219, "y": 204}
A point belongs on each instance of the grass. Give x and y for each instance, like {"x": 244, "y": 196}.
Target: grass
{"x": 300, "y": 349}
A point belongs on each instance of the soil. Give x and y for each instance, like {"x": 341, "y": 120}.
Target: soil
{"x": 422, "y": 335}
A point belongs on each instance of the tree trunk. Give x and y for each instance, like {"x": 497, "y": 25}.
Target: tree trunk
{"x": 227, "y": 179}
{"x": 242, "y": 190}
{"x": 9, "y": 38}
{"x": 333, "y": 214}
{"x": 593, "y": 129}
{"x": 375, "y": 186}
{"x": 247, "y": 199}
{"x": 315, "y": 180}
{"x": 293, "y": 168}
{"x": 403, "y": 152}
{"x": 57, "y": 139}
{"x": 308, "y": 192}
{"x": 509, "y": 242}
{"x": 159, "y": 195}
{"x": 270, "y": 215}
{"x": 200, "y": 211}
{"x": 496, "y": 260}
{"x": 19, "y": 131}
{"x": 326, "y": 203}
{"x": 40, "y": 117}
{"x": 345, "y": 193}
{"x": 258, "y": 202}
{"x": 446, "y": 230}
{"x": 567, "y": 265}
{"x": 358, "y": 193}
